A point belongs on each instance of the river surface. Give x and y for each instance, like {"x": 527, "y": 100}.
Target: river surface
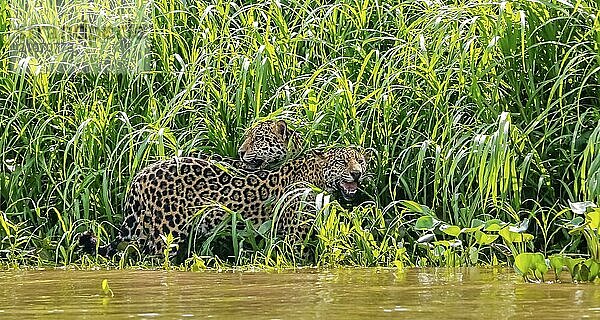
{"x": 464, "y": 293}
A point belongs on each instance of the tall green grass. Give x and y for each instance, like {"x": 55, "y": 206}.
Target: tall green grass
{"x": 472, "y": 109}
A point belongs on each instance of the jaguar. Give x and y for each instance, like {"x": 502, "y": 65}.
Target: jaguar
{"x": 266, "y": 145}
{"x": 166, "y": 196}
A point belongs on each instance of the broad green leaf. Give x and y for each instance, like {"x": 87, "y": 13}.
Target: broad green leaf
{"x": 593, "y": 218}
{"x": 494, "y": 222}
{"x": 557, "y": 262}
{"x": 540, "y": 265}
{"x": 522, "y": 237}
{"x": 523, "y": 263}
{"x": 505, "y": 234}
{"x": 593, "y": 269}
{"x": 584, "y": 272}
{"x": 572, "y": 264}
{"x": 476, "y": 224}
{"x": 484, "y": 238}
{"x": 426, "y": 223}
{"x": 531, "y": 262}
{"x": 444, "y": 243}
{"x": 493, "y": 227}
{"x": 450, "y": 230}
{"x": 471, "y": 230}
{"x": 412, "y": 206}
{"x": 574, "y": 223}
{"x": 512, "y": 237}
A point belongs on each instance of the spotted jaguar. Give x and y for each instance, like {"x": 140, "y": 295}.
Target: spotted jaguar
{"x": 269, "y": 142}
{"x": 266, "y": 145}
{"x": 166, "y": 196}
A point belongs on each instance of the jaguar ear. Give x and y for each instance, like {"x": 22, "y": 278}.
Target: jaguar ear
{"x": 282, "y": 129}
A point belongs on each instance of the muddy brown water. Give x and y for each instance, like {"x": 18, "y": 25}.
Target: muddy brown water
{"x": 467, "y": 293}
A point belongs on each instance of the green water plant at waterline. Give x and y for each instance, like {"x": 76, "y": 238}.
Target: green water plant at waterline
{"x": 580, "y": 269}
{"x": 586, "y": 222}
{"x": 534, "y": 266}
{"x": 450, "y": 245}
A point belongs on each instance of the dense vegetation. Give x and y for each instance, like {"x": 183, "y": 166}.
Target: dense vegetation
{"x": 482, "y": 119}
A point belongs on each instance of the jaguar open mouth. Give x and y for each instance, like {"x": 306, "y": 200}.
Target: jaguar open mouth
{"x": 348, "y": 189}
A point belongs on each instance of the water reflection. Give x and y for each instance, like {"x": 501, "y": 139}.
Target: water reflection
{"x": 308, "y": 294}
